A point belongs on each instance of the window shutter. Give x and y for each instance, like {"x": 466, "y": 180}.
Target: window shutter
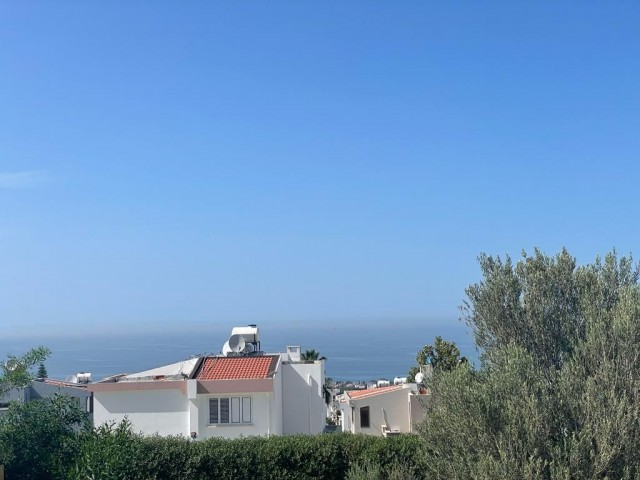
{"x": 224, "y": 410}
{"x": 213, "y": 410}
{"x": 246, "y": 409}
{"x": 235, "y": 410}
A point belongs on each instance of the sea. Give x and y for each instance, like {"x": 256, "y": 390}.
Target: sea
{"x": 361, "y": 351}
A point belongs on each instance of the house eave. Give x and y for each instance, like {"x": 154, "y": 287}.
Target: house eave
{"x": 245, "y": 385}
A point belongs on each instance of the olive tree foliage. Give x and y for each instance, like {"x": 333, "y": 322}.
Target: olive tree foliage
{"x": 17, "y": 371}
{"x": 558, "y": 393}
{"x": 39, "y": 439}
{"x": 369, "y": 470}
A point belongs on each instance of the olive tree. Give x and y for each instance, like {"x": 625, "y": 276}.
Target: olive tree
{"x": 39, "y": 439}
{"x": 17, "y": 371}
{"x": 558, "y": 391}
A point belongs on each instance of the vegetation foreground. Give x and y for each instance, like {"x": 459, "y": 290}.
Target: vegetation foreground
{"x": 556, "y": 396}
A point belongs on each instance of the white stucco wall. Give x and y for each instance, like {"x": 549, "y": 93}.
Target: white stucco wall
{"x": 164, "y": 412}
{"x": 292, "y": 402}
{"x": 396, "y": 405}
{"x": 418, "y": 405}
{"x": 277, "y": 420}
{"x": 303, "y": 407}
{"x": 346, "y": 413}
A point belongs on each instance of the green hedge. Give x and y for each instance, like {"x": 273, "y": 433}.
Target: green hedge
{"x": 49, "y": 439}
{"x": 112, "y": 455}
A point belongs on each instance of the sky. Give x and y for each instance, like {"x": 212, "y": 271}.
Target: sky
{"x": 167, "y": 165}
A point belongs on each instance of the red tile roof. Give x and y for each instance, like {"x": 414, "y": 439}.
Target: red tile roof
{"x": 372, "y": 391}
{"x": 233, "y": 368}
{"x": 60, "y": 383}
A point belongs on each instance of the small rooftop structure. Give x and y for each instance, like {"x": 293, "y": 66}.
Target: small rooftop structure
{"x": 182, "y": 369}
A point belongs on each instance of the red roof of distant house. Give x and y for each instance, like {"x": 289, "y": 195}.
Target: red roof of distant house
{"x": 234, "y": 368}
{"x": 372, "y": 391}
{"x": 60, "y": 383}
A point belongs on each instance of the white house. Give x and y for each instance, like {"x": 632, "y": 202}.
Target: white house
{"x": 46, "y": 387}
{"x": 239, "y": 394}
{"x": 382, "y": 411}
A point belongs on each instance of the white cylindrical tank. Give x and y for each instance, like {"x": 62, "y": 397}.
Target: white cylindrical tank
{"x": 83, "y": 377}
{"x": 250, "y": 333}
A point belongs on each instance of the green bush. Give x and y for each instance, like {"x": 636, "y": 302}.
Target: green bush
{"x": 114, "y": 452}
{"x": 39, "y": 439}
{"x": 374, "y": 471}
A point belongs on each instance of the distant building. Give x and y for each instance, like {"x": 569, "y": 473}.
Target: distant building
{"x": 242, "y": 393}
{"x": 45, "y": 387}
{"x": 383, "y": 411}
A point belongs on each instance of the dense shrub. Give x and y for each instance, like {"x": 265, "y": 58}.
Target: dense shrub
{"x": 374, "y": 471}
{"x": 48, "y": 439}
{"x": 39, "y": 439}
{"x": 113, "y": 452}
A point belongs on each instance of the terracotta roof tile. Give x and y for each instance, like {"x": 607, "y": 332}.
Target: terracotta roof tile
{"x": 233, "y": 368}
{"x": 372, "y": 391}
{"x": 60, "y": 383}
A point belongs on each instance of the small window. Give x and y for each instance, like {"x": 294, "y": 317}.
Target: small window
{"x": 230, "y": 410}
{"x": 364, "y": 417}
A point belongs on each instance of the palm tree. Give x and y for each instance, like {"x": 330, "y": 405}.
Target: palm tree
{"x": 311, "y": 356}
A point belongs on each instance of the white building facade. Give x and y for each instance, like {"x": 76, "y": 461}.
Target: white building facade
{"x": 382, "y": 411}
{"x": 218, "y": 396}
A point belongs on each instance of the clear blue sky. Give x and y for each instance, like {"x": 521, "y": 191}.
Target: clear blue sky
{"x": 172, "y": 164}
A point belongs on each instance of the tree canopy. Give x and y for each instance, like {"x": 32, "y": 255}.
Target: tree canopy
{"x": 17, "y": 371}
{"x": 558, "y": 391}
{"x": 42, "y": 371}
{"x": 442, "y": 355}
{"x": 311, "y": 356}
{"x": 39, "y": 439}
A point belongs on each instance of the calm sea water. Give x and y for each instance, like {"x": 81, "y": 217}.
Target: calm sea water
{"x": 354, "y": 352}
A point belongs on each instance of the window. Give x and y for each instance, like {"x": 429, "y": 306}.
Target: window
{"x": 230, "y": 410}
{"x": 364, "y": 417}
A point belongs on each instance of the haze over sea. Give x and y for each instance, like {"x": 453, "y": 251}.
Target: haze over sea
{"x": 357, "y": 351}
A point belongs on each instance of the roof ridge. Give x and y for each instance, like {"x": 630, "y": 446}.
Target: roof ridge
{"x": 373, "y": 391}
